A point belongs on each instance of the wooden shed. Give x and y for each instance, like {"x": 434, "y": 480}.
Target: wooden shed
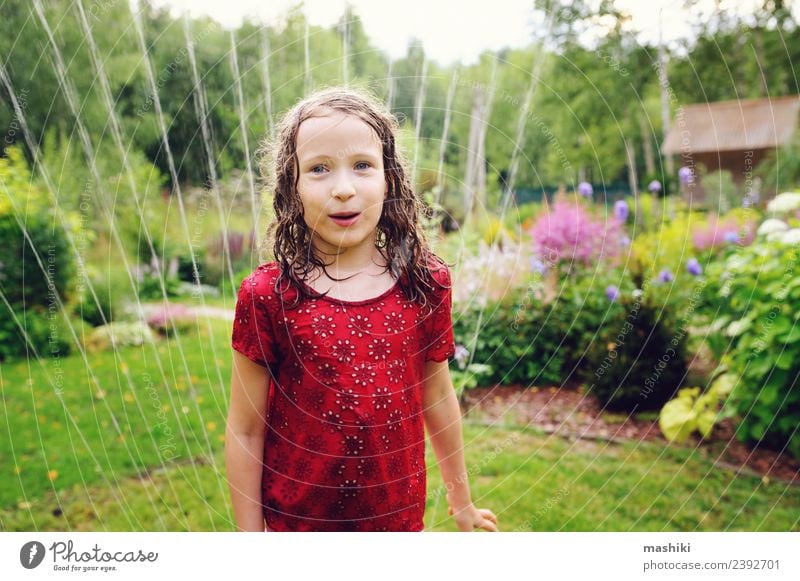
{"x": 731, "y": 135}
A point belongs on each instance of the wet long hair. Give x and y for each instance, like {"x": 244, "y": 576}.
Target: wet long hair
{"x": 400, "y": 238}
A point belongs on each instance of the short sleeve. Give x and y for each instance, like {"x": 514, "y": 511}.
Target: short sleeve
{"x": 440, "y": 341}
{"x": 253, "y": 334}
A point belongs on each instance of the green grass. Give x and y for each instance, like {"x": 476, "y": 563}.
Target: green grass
{"x": 91, "y": 423}
{"x": 101, "y": 461}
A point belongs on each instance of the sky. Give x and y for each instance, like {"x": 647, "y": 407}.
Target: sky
{"x": 450, "y": 30}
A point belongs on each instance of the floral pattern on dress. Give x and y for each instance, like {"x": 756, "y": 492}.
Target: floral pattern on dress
{"x": 344, "y": 446}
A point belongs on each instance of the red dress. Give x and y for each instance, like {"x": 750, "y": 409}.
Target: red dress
{"x": 344, "y": 443}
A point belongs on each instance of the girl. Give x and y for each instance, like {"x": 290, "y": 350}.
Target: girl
{"x": 341, "y": 344}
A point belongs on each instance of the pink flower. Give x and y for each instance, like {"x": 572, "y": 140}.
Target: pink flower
{"x": 718, "y": 233}
{"x": 567, "y": 233}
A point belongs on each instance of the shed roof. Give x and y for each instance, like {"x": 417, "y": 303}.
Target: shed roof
{"x": 733, "y": 125}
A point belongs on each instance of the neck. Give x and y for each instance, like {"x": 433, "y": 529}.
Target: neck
{"x": 344, "y": 262}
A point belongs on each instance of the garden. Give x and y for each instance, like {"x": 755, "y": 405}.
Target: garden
{"x": 627, "y": 322}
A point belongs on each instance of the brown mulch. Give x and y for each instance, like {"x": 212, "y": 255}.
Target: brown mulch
{"x": 571, "y": 413}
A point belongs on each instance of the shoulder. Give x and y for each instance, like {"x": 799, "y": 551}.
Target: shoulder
{"x": 262, "y": 286}
{"x": 439, "y": 271}
{"x": 262, "y": 280}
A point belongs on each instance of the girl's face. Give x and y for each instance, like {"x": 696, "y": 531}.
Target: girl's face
{"x": 341, "y": 181}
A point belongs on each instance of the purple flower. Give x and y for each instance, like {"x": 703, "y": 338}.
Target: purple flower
{"x": 538, "y": 266}
{"x": 686, "y": 175}
{"x": 665, "y": 275}
{"x": 625, "y": 241}
{"x": 612, "y": 292}
{"x": 654, "y": 187}
{"x": 693, "y": 267}
{"x": 621, "y": 210}
{"x": 461, "y": 355}
{"x": 731, "y": 237}
{"x": 751, "y": 198}
{"x": 585, "y": 189}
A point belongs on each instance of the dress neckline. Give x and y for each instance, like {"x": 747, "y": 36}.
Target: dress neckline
{"x": 367, "y": 301}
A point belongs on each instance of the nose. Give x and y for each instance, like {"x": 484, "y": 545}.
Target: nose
{"x": 343, "y": 188}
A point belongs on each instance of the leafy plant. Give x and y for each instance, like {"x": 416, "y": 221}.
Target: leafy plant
{"x": 115, "y": 335}
{"x": 638, "y": 361}
{"x": 692, "y": 411}
{"x": 754, "y": 297}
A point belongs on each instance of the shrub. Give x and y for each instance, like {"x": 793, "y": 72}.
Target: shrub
{"x": 668, "y": 246}
{"x": 43, "y": 333}
{"x": 24, "y": 205}
{"x": 567, "y": 234}
{"x": 171, "y": 319}
{"x": 115, "y": 335}
{"x": 514, "y": 339}
{"x": 525, "y": 339}
{"x": 754, "y": 298}
{"x": 34, "y": 288}
{"x": 150, "y": 288}
{"x": 637, "y": 362}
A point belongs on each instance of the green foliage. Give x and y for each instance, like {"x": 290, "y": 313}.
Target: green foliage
{"x": 29, "y": 227}
{"x": 471, "y": 376}
{"x": 637, "y": 362}
{"x": 514, "y": 340}
{"x": 150, "y": 287}
{"x": 116, "y": 335}
{"x": 528, "y": 340}
{"x": 692, "y": 411}
{"x": 112, "y": 290}
{"x": 780, "y": 169}
{"x": 38, "y": 268}
{"x": 34, "y": 332}
{"x": 666, "y": 243}
{"x": 754, "y": 305}
{"x": 721, "y": 192}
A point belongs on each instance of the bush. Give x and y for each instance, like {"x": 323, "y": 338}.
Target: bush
{"x": 105, "y": 309}
{"x": 23, "y": 205}
{"x": 637, "y": 362}
{"x": 570, "y": 233}
{"x": 171, "y": 319}
{"x": 47, "y": 334}
{"x": 514, "y": 339}
{"x": 115, "y": 335}
{"x": 35, "y": 288}
{"x": 528, "y": 340}
{"x": 150, "y": 288}
{"x": 754, "y": 299}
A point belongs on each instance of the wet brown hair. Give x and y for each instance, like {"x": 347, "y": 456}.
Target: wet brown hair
{"x": 400, "y": 237}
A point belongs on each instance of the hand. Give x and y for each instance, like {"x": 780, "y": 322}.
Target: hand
{"x": 470, "y": 518}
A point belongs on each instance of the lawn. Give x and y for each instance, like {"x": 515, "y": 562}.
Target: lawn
{"x": 133, "y": 442}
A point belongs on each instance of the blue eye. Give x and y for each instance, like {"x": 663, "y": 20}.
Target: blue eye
{"x": 317, "y": 168}
{"x": 362, "y": 163}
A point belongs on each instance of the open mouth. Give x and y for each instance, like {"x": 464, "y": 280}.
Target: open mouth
{"x": 345, "y": 218}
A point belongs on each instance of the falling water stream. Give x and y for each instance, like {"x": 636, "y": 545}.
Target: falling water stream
{"x": 107, "y": 203}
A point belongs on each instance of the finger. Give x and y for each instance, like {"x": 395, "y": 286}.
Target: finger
{"x": 488, "y": 514}
{"x": 488, "y": 525}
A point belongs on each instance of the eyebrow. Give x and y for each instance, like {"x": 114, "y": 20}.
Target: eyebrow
{"x": 323, "y": 156}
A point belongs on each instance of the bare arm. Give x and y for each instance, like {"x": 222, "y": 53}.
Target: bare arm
{"x": 443, "y": 419}
{"x": 244, "y": 441}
